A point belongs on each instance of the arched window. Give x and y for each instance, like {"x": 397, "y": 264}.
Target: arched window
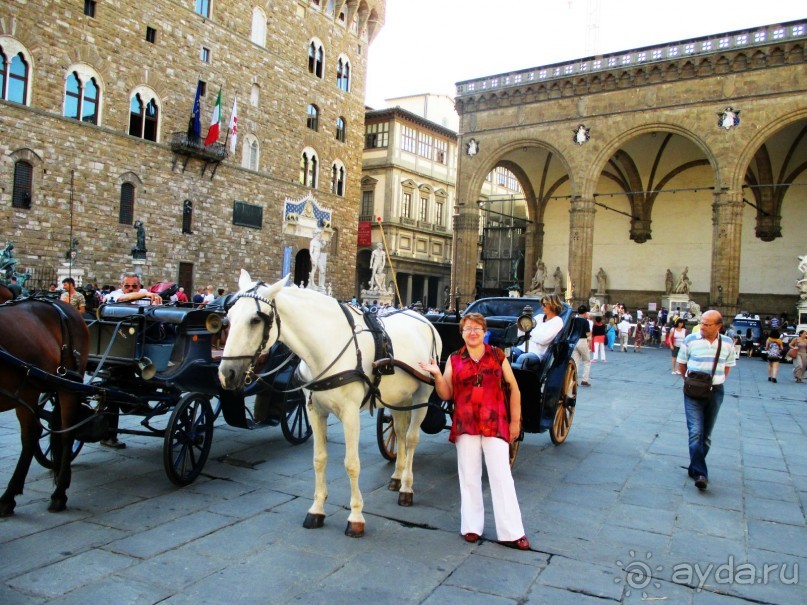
{"x": 308, "y": 168}
{"x": 338, "y": 179}
{"x": 23, "y": 184}
{"x": 81, "y": 99}
{"x": 341, "y": 129}
{"x": 127, "y": 199}
{"x": 255, "y": 95}
{"x": 144, "y": 118}
{"x": 316, "y": 58}
{"x": 187, "y": 217}
{"x": 312, "y": 117}
{"x": 13, "y": 78}
{"x": 258, "y": 35}
{"x": 343, "y": 74}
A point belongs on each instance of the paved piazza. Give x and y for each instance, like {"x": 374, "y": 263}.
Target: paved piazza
{"x": 611, "y": 514}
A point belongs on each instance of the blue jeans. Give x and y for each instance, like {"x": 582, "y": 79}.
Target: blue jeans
{"x": 701, "y": 416}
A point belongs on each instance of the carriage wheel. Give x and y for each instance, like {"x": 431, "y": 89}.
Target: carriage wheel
{"x": 188, "y": 438}
{"x": 385, "y": 435}
{"x": 294, "y": 422}
{"x": 564, "y": 412}
{"x": 42, "y": 449}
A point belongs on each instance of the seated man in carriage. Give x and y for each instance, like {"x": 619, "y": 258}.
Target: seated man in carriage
{"x": 132, "y": 291}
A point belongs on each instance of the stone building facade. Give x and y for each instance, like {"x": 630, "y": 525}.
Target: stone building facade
{"x": 684, "y": 154}
{"x": 95, "y": 95}
{"x": 409, "y": 173}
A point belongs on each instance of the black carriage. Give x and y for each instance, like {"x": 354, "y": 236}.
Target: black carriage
{"x": 149, "y": 361}
{"x": 548, "y": 388}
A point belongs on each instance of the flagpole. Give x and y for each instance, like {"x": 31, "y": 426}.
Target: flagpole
{"x": 389, "y": 258}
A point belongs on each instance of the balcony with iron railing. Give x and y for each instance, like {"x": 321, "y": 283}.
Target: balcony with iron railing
{"x": 190, "y": 146}
{"x": 709, "y": 45}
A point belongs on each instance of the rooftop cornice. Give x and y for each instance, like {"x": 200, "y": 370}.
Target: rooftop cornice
{"x": 671, "y": 52}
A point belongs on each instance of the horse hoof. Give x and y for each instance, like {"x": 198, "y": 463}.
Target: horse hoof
{"x": 394, "y": 485}
{"x": 313, "y": 521}
{"x": 354, "y": 529}
{"x": 405, "y": 499}
{"x": 57, "y": 506}
{"x": 6, "y": 510}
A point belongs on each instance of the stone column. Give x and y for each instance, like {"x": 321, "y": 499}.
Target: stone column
{"x": 727, "y": 227}
{"x": 425, "y": 298}
{"x": 463, "y": 271}
{"x": 581, "y": 247}
{"x": 408, "y": 296}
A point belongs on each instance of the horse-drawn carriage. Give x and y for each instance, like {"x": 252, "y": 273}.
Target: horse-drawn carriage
{"x": 148, "y": 362}
{"x": 548, "y": 388}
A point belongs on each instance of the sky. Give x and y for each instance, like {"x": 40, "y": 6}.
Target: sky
{"x": 429, "y": 45}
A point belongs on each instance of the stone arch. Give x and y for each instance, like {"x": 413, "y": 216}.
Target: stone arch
{"x": 599, "y": 161}
{"x": 130, "y": 177}
{"x": 735, "y": 177}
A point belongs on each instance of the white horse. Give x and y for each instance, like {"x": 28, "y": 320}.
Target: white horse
{"x": 316, "y": 328}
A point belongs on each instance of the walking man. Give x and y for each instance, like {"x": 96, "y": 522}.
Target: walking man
{"x": 697, "y": 354}
{"x": 624, "y": 331}
{"x": 582, "y": 350}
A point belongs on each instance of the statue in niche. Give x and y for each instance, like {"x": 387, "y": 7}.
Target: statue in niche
{"x": 602, "y": 281}
{"x": 668, "y": 282}
{"x": 558, "y": 277}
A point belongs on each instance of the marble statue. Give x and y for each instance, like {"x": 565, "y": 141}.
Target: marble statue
{"x": 602, "y": 281}
{"x": 318, "y": 260}
{"x": 378, "y": 260}
{"x": 683, "y": 284}
{"x": 539, "y": 278}
{"x": 668, "y": 282}
{"x": 558, "y": 277}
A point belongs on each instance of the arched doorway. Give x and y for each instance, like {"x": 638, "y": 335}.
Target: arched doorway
{"x": 302, "y": 267}
{"x": 362, "y": 270}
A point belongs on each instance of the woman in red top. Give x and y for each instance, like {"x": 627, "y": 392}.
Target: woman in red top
{"x": 482, "y": 425}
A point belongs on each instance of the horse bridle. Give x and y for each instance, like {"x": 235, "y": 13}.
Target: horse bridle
{"x": 268, "y": 320}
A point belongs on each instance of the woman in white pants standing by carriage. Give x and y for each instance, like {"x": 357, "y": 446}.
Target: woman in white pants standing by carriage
{"x": 483, "y": 425}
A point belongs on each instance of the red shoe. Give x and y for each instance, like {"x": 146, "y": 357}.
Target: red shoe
{"x": 521, "y": 544}
{"x": 471, "y": 537}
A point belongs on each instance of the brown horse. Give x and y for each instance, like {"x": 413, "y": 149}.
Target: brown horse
{"x": 5, "y": 294}
{"x": 51, "y": 336}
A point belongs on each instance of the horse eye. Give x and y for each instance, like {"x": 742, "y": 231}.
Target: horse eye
{"x": 255, "y": 321}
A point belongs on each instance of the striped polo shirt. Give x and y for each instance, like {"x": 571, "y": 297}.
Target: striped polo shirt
{"x": 699, "y": 355}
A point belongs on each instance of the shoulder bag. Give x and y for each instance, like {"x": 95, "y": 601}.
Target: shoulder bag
{"x": 698, "y": 385}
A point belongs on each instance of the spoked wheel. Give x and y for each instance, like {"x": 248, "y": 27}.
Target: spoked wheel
{"x": 385, "y": 435}
{"x": 188, "y": 438}
{"x": 564, "y": 412}
{"x": 42, "y": 449}
{"x": 294, "y": 421}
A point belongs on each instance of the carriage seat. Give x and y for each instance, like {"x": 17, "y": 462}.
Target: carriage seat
{"x": 529, "y": 362}
{"x": 118, "y": 311}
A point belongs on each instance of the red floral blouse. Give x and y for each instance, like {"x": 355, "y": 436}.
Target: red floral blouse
{"x": 490, "y": 417}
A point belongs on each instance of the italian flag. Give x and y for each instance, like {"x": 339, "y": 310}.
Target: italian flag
{"x": 215, "y": 122}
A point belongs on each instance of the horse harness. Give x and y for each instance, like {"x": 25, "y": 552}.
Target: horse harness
{"x": 384, "y": 363}
{"x": 69, "y": 356}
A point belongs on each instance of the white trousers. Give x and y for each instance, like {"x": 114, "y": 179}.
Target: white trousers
{"x": 599, "y": 349}
{"x": 582, "y": 357}
{"x": 506, "y": 511}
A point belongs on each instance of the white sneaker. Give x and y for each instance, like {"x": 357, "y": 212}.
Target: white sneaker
{"x": 673, "y": 372}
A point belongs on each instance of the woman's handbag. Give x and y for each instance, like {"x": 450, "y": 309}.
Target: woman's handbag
{"x": 793, "y": 353}
{"x": 698, "y": 385}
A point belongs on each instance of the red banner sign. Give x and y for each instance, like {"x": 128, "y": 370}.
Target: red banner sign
{"x": 365, "y": 233}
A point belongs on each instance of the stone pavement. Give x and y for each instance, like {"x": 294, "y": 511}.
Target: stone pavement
{"x": 611, "y": 514}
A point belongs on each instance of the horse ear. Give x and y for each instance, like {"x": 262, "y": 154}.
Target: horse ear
{"x": 244, "y": 281}
{"x": 275, "y": 288}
